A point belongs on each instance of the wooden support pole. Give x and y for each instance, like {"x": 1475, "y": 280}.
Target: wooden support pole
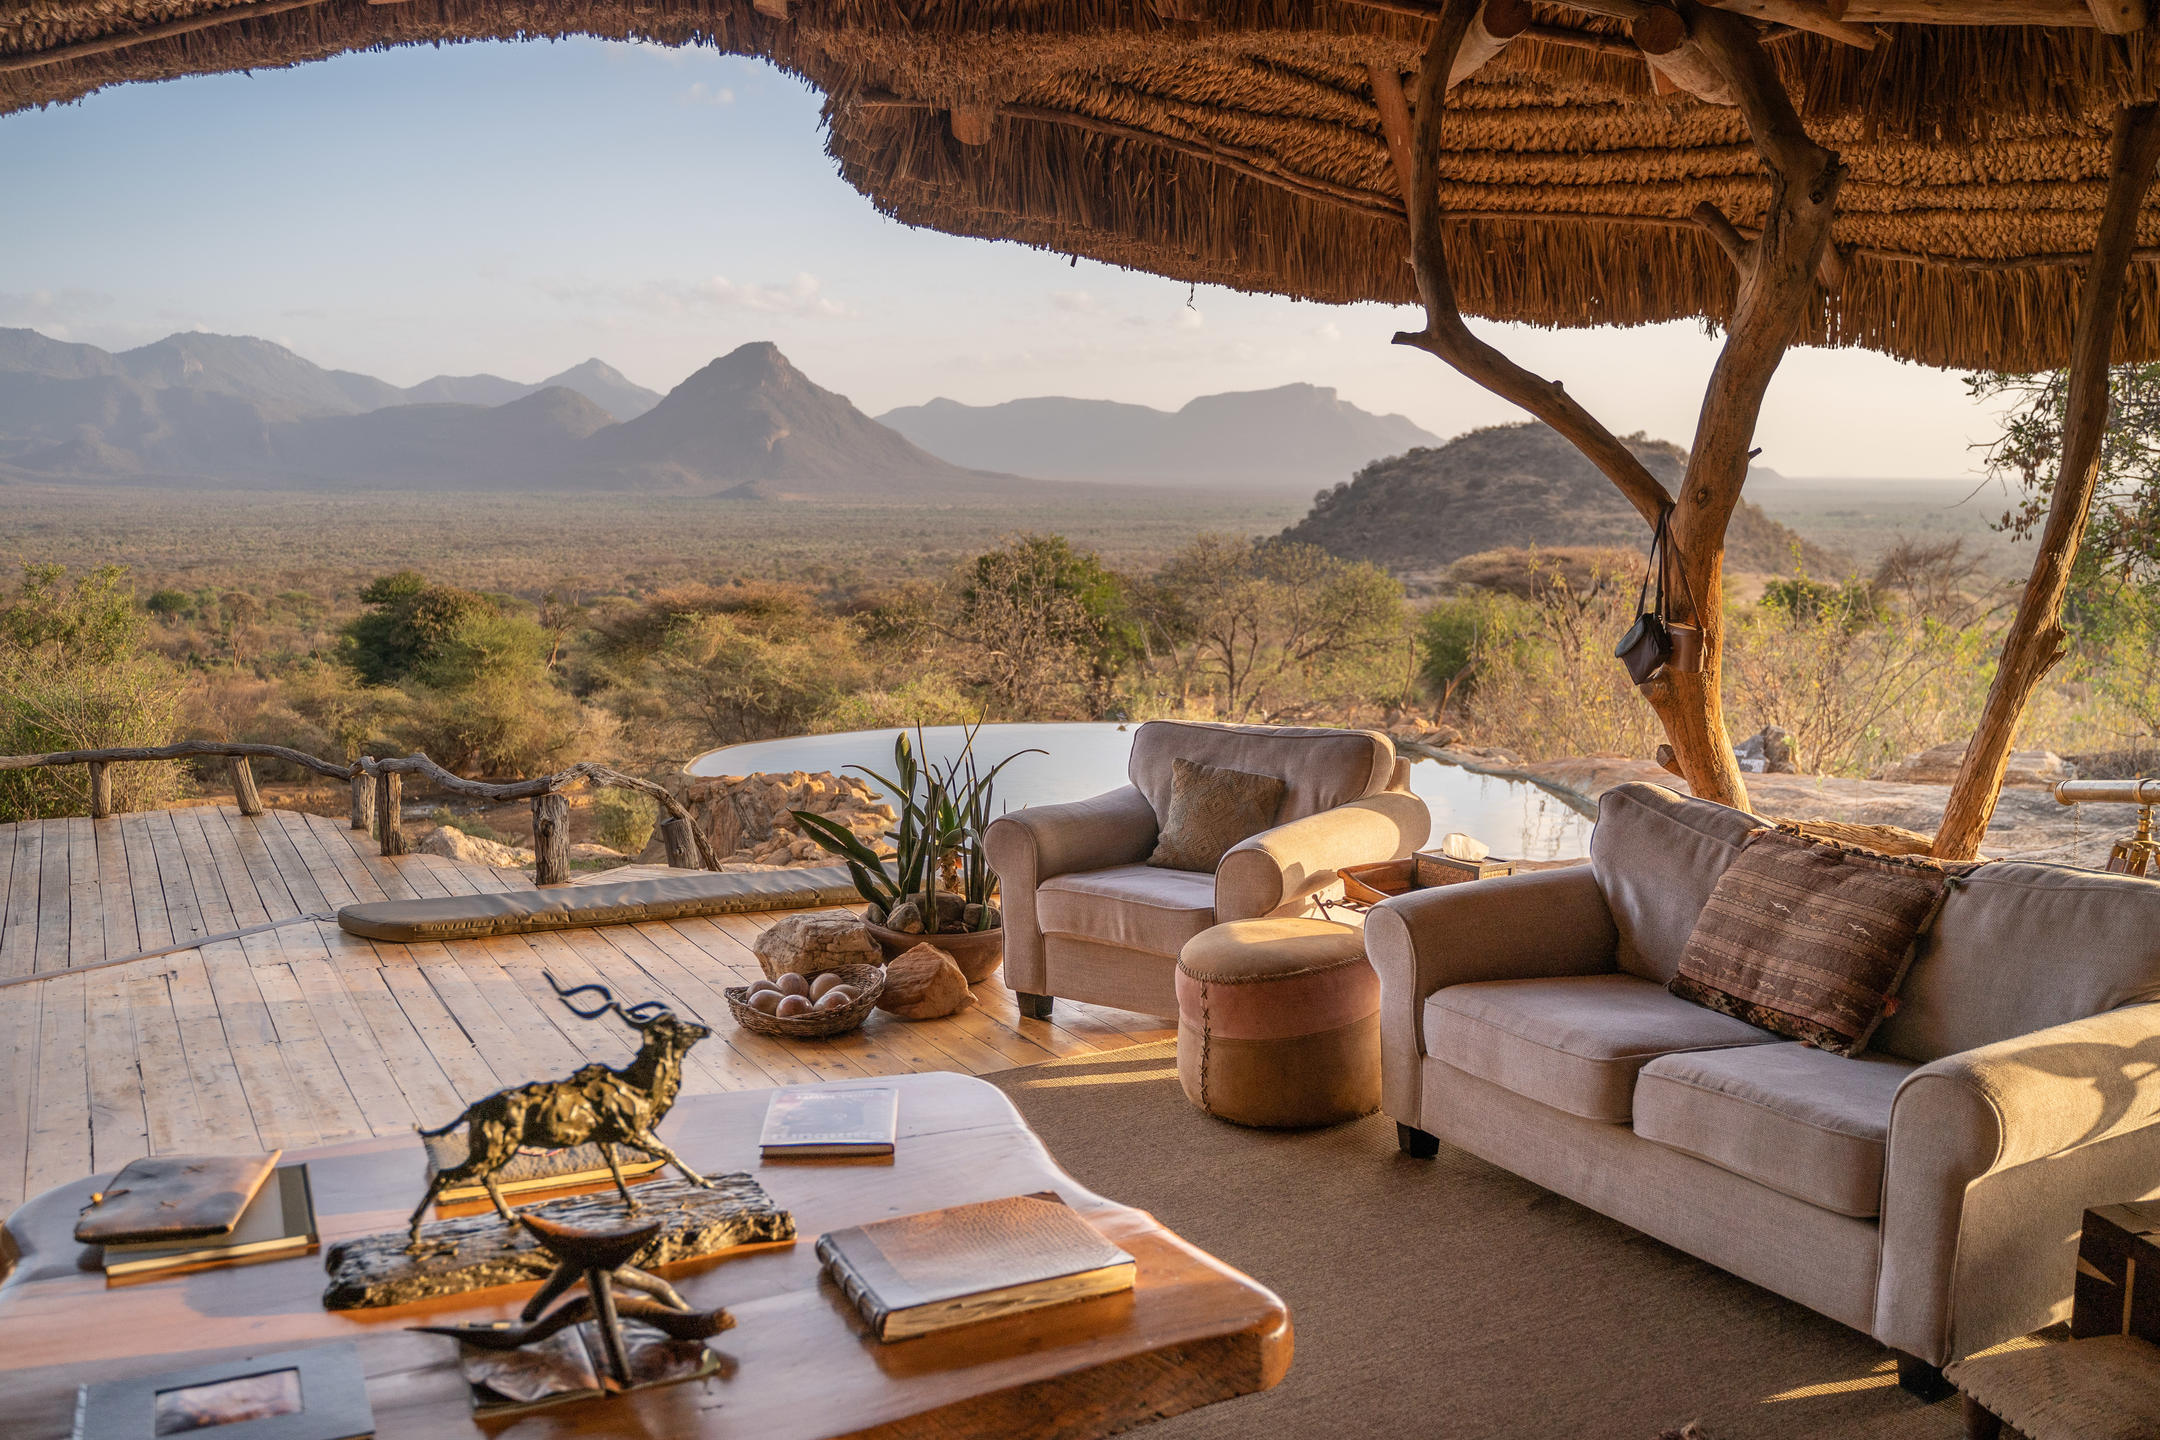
{"x": 1814, "y": 16}
{"x": 1496, "y": 23}
{"x": 551, "y": 839}
{"x": 2036, "y": 637}
{"x": 389, "y": 812}
{"x": 244, "y": 792}
{"x": 2118, "y": 17}
{"x": 1677, "y": 58}
{"x": 677, "y": 834}
{"x": 972, "y": 124}
{"x": 363, "y": 802}
{"x": 100, "y": 790}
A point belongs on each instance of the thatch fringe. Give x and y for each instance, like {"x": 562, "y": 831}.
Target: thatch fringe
{"x": 1245, "y": 149}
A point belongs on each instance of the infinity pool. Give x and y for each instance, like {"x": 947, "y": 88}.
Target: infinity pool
{"x": 1518, "y": 820}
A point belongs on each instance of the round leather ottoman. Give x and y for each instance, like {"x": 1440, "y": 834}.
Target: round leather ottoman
{"x": 1279, "y": 1023}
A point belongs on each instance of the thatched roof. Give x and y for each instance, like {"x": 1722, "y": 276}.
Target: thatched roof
{"x": 1242, "y": 147}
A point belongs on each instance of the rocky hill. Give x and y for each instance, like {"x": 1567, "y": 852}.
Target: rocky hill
{"x": 1289, "y": 439}
{"x": 1516, "y": 486}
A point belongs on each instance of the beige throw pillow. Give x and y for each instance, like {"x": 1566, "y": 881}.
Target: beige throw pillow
{"x": 1211, "y": 809}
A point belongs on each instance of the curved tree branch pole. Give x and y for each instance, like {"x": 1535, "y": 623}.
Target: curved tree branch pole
{"x": 2036, "y": 637}
{"x": 1777, "y": 279}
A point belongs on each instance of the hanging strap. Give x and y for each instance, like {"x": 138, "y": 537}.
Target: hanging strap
{"x": 1655, "y": 566}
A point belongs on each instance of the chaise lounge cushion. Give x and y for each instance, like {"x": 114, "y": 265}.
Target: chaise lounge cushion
{"x": 1575, "y": 1043}
{"x": 1139, "y": 907}
{"x": 575, "y": 907}
{"x": 1799, "y": 1120}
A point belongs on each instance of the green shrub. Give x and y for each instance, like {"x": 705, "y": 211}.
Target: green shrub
{"x": 624, "y": 819}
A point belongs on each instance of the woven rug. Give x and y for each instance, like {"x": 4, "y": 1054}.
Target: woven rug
{"x": 1447, "y": 1298}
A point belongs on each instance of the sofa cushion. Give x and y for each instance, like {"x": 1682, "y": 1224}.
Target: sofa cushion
{"x": 1574, "y": 1043}
{"x": 1808, "y": 938}
{"x": 1212, "y": 809}
{"x": 1800, "y": 1120}
{"x": 1656, "y": 856}
{"x": 1138, "y": 907}
{"x": 2021, "y": 947}
{"x": 1320, "y": 769}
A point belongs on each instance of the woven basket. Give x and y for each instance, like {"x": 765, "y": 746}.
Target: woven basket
{"x": 868, "y": 982}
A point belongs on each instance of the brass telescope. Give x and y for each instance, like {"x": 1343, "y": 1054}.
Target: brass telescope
{"x": 2132, "y": 856}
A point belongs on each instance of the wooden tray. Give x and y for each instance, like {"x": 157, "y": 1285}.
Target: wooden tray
{"x": 1371, "y": 884}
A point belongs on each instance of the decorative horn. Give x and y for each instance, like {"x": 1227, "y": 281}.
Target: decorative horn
{"x": 607, "y": 999}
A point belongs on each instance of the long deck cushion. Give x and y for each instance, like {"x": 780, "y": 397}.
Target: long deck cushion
{"x": 573, "y": 907}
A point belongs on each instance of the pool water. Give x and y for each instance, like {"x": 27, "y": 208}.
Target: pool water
{"x": 1517, "y": 819}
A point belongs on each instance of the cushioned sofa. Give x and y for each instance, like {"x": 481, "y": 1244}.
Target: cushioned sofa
{"x": 1928, "y": 1192}
{"x": 1086, "y": 917}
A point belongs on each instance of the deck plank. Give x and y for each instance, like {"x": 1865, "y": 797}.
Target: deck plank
{"x": 299, "y": 1032}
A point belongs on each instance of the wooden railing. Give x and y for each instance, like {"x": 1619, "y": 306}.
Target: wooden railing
{"x": 378, "y": 798}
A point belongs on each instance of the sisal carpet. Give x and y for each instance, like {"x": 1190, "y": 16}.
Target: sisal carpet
{"x": 1448, "y": 1298}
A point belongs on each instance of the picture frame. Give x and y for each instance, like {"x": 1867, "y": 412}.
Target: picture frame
{"x": 319, "y": 1393}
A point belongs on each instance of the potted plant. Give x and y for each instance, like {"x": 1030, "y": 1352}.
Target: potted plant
{"x": 938, "y": 885}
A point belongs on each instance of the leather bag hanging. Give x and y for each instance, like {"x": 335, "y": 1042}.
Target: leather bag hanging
{"x": 1655, "y": 642}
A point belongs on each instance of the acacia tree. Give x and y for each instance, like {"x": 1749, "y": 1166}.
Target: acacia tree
{"x": 1777, "y": 267}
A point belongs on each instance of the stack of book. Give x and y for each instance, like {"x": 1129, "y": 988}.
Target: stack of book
{"x": 170, "y": 1213}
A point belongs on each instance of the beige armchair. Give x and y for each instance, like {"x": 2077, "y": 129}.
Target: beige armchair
{"x": 1087, "y": 918}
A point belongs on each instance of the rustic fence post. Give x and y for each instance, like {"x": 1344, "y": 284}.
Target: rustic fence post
{"x": 243, "y": 785}
{"x": 389, "y": 815}
{"x": 363, "y": 801}
{"x": 551, "y": 839}
{"x": 100, "y": 790}
{"x": 681, "y": 843}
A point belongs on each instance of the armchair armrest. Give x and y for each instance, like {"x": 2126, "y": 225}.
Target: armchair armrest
{"x": 1978, "y": 1240}
{"x": 1517, "y": 927}
{"x": 1292, "y": 862}
{"x": 1030, "y": 846}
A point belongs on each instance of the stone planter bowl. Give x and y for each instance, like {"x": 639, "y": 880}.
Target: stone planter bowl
{"x": 976, "y": 952}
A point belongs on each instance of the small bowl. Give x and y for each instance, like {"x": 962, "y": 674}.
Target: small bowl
{"x": 868, "y": 982}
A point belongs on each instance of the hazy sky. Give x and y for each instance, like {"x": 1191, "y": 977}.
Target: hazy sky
{"x": 517, "y": 208}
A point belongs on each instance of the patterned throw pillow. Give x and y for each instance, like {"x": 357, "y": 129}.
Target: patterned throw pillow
{"x": 1211, "y": 809}
{"x": 1811, "y": 939}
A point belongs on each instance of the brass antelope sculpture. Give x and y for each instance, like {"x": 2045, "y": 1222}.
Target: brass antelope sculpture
{"x": 598, "y": 1105}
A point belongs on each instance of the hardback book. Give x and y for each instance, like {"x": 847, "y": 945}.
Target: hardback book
{"x": 314, "y": 1394}
{"x": 160, "y": 1199}
{"x": 572, "y": 1364}
{"x": 967, "y": 1263}
{"x": 533, "y": 1169}
{"x": 279, "y": 1222}
{"x": 825, "y": 1123}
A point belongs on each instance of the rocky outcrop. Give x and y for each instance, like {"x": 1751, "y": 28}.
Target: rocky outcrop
{"x": 813, "y": 944}
{"x": 455, "y": 844}
{"x": 747, "y": 817}
{"x": 1939, "y": 766}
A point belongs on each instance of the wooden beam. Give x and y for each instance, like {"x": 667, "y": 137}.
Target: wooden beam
{"x": 972, "y": 124}
{"x": 551, "y": 839}
{"x": 2118, "y": 17}
{"x": 771, "y": 9}
{"x": 105, "y": 44}
{"x": 676, "y": 835}
{"x": 1675, "y": 56}
{"x": 100, "y": 790}
{"x": 389, "y": 812}
{"x": 1813, "y": 16}
{"x": 1897, "y": 12}
{"x": 363, "y": 802}
{"x": 1496, "y": 23}
{"x": 2036, "y": 638}
{"x": 245, "y": 795}
{"x": 1612, "y": 45}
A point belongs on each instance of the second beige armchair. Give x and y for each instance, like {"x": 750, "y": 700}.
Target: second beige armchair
{"x": 1087, "y": 918}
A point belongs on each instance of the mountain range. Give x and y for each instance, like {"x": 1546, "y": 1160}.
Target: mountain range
{"x": 232, "y": 410}
{"x": 1286, "y": 440}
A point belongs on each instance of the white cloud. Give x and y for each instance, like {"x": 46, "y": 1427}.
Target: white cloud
{"x": 1188, "y": 319}
{"x": 804, "y": 295}
{"x": 702, "y": 94}
{"x": 1328, "y": 331}
{"x": 51, "y": 311}
{"x": 1077, "y": 302}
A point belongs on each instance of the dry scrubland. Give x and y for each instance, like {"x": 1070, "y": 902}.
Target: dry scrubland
{"x": 509, "y": 634}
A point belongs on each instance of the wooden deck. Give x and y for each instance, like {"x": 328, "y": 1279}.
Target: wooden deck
{"x": 298, "y": 1033}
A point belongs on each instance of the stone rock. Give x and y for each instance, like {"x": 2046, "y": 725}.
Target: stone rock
{"x": 1767, "y": 752}
{"x": 924, "y": 984}
{"x": 455, "y": 844}
{"x": 812, "y": 944}
{"x": 1939, "y": 766}
{"x": 971, "y": 917}
{"x": 908, "y": 917}
{"x": 749, "y": 821}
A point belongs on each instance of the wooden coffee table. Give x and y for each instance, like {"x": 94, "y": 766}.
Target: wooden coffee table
{"x": 1192, "y": 1332}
